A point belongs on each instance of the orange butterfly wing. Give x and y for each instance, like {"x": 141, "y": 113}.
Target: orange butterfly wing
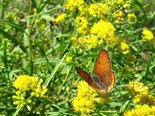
{"x": 87, "y": 78}
{"x": 102, "y": 68}
{"x": 84, "y": 75}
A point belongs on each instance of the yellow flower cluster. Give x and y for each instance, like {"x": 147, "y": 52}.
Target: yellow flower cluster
{"x": 92, "y": 23}
{"x": 98, "y": 10}
{"x": 140, "y": 94}
{"x": 86, "y": 98}
{"x": 147, "y": 34}
{"x": 132, "y": 17}
{"x": 103, "y": 29}
{"x": 68, "y": 58}
{"x": 82, "y": 24}
{"x": 27, "y": 88}
{"x": 124, "y": 48}
{"x": 138, "y": 88}
{"x": 119, "y": 15}
{"x": 141, "y": 110}
{"x": 89, "y": 41}
{"x": 71, "y": 5}
{"x": 60, "y": 18}
{"x": 144, "y": 99}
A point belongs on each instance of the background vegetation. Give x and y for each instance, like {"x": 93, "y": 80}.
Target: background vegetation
{"x": 48, "y": 38}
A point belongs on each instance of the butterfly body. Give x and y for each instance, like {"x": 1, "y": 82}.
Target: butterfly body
{"x": 99, "y": 84}
{"x": 103, "y": 77}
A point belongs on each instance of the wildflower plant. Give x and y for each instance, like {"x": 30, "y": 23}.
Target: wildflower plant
{"x": 49, "y": 38}
{"x": 28, "y": 90}
{"x": 87, "y": 98}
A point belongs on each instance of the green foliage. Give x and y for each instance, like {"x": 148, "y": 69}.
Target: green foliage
{"x": 36, "y": 41}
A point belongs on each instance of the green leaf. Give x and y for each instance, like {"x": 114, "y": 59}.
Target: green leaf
{"x": 16, "y": 26}
{"x": 123, "y": 107}
{"x": 13, "y": 39}
{"x": 54, "y": 71}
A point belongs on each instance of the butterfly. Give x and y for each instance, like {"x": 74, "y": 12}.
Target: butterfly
{"x": 103, "y": 77}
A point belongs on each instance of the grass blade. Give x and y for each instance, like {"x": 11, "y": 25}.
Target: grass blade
{"x": 54, "y": 71}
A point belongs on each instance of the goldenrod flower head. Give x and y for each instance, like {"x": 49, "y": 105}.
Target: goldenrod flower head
{"x": 82, "y": 25}
{"x": 124, "y": 47}
{"x": 141, "y": 110}
{"x": 60, "y": 18}
{"x": 28, "y": 87}
{"x": 144, "y": 99}
{"x": 68, "y": 58}
{"x": 24, "y": 82}
{"x": 71, "y": 5}
{"x": 103, "y": 29}
{"x": 98, "y": 9}
{"x": 138, "y": 87}
{"x": 83, "y": 105}
{"x": 119, "y": 15}
{"x": 74, "y": 38}
{"x": 83, "y": 30}
{"x": 81, "y": 21}
{"x": 83, "y": 10}
{"x": 119, "y": 2}
{"x": 147, "y": 34}
{"x": 88, "y": 41}
{"x": 92, "y": 41}
{"x": 132, "y": 17}
{"x": 86, "y": 98}
{"x": 127, "y": 4}
{"x": 112, "y": 40}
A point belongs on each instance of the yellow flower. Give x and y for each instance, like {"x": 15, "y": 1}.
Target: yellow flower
{"x": 83, "y": 105}
{"x": 24, "y": 82}
{"x": 92, "y": 41}
{"x": 60, "y": 18}
{"x": 138, "y": 87}
{"x": 103, "y": 29}
{"x": 144, "y": 99}
{"x": 83, "y": 10}
{"x": 132, "y": 17}
{"x": 82, "y": 30}
{"x": 124, "y": 48}
{"x": 27, "y": 87}
{"x": 98, "y": 9}
{"x": 81, "y": 21}
{"x": 141, "y": 110}
{"x": 119, "y": 15}
{"x": 86, "y": 98}
{"x": 147, "y": 34}
{"x": 71, "y": 5}
{"x": 68, "y": 58}
{"x": 127, "y": 4}
{"x": 119, "y": 1}
{"x": 73, "y": 38}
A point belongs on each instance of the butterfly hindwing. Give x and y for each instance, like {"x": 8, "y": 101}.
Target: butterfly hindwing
{"x": 84, "y": 75}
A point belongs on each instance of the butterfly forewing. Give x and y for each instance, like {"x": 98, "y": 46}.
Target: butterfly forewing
{"x": 84, "y": 75}
{"x": 102, "y": 65}
{"x": 102, "y": 68}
